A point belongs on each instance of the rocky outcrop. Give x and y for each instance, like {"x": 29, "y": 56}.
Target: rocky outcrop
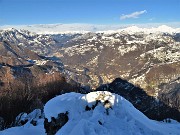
{"x": 56, "y": 123}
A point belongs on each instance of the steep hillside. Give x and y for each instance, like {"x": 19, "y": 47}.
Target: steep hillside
{"x": 28, "y": 80}
{"x": 41, "y": 44}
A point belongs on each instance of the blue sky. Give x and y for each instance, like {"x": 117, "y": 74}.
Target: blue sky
{"x": 16, "y": 12}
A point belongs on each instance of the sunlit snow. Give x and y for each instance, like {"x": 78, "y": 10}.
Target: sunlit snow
{"x": 119, "y": 118}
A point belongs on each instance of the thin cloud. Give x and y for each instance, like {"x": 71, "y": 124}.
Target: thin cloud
{"x": 133, "y": 15}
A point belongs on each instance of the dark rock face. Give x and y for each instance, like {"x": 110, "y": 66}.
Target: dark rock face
{"x": 151, "y": 107}
{"x": 170, "y": 93}
{"x": 106, "y": 105}
{"x": 55, "y": 124}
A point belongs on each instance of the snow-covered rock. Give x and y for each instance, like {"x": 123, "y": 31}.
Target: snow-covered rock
{"x": 97, "y": 113}
{"x": 22, "y": 118}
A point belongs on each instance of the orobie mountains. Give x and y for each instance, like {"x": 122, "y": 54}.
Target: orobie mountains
{"x": 146, "y": 57}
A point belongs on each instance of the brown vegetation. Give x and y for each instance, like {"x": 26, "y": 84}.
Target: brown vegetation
{"x": 26, "y": 91}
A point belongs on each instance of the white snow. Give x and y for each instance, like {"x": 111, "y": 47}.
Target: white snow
{"x": 118, "y": 117}
{"x": 125, "y": 49}
{"x": 28, "y": 129}
{"x": 162, "y": 28}
{"x": 136, "y": 29}
{"x": 85, "y": 28}
{"x": 79, "y": 49}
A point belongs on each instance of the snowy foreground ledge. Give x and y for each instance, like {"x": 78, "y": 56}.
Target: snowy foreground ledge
{"x": 97, "y": 113}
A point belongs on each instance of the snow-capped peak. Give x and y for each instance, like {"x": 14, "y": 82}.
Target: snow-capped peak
{"x": 165, "y": 28}
{"x": 134, "y": 29}
{"x": 161, "y": 29}
{"x": 10, "y": 29}
{"x": 84, "y": 28}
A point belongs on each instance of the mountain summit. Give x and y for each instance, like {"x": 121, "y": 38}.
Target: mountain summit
{"x": 95, "y": 113}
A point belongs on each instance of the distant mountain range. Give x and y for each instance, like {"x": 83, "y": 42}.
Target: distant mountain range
{"x": 84, "y": 28}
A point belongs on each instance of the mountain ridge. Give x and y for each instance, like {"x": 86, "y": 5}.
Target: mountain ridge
{"x": 85, "y": 28}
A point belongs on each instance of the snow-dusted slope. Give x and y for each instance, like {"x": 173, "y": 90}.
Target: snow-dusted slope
{"x": 135, "y": 29}
{"x": 41, "y": 44}
{"x": 107, "y": 114}
{"x": 60, "y": 28}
